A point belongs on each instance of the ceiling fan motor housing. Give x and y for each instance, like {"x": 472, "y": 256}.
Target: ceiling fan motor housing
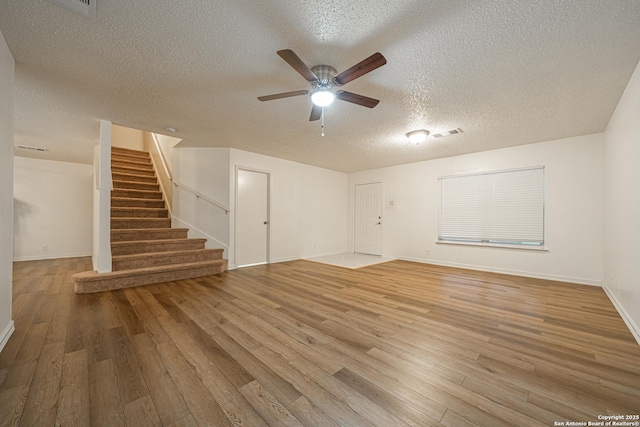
{"x": 325, "y": 74}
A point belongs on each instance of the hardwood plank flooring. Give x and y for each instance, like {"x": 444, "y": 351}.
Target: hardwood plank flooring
{"x": 306, "y": 344}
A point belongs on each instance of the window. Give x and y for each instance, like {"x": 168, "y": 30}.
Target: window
{"x": 493, "y": 208}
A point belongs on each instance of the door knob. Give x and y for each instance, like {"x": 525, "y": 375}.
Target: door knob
{"x": 266, "y": 222}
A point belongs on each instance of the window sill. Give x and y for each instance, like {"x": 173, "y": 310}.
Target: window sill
{"x": 495, "y": 245}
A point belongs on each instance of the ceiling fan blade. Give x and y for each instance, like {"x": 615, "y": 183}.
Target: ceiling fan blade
{"x": 294, "y": 60}
{"x": 354, "y": 98}
{"x": 360, "y": 69}
{"x": 316, "y": 113}
{"x": 283, "y": 95}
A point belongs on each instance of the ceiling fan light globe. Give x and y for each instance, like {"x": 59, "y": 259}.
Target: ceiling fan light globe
{"x": 322, "y": 98}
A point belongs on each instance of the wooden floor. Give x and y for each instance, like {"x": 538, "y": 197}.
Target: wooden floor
{"x": 302, "y": 343}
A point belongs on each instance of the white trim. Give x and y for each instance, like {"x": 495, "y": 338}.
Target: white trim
{"x": 6, "y": 334}
{"x": 635, "y": 329}
{"x": 577, "y": 280}
{"x": 53, "y": 256}
{"x": 252, "y": 265}
{"x": 235, "y": 213}
{"x": 494, "y": 245}
{"x": 489, "y": 172}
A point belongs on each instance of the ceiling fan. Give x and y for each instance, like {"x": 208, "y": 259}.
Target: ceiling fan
{"x": 324, "y": 79}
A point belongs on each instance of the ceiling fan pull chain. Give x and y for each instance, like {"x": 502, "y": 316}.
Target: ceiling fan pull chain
{"x": 322, "y": 122}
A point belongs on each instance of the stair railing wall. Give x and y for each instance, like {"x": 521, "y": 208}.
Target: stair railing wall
{"x": 102, "y": 201}
{"x": 170, "y": 187}
{"x": 162, "y": 168}
{"x": 211, "y": 240}
{"x": 199, "y": 195}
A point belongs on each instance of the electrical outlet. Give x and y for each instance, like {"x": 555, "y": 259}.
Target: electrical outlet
{"x": 427, "y": 252}
{"x": 45, "y": 248}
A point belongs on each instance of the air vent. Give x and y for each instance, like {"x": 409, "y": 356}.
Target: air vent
{"x": 447, "y": 133}
{"x": 26, "y": 147}
{"x": 85, "y": 8}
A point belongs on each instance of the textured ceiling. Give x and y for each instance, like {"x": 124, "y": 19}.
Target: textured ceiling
{"x": 506, "y": 72}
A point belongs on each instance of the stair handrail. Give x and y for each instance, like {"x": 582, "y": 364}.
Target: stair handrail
{"x": 199, "y": 195}
{"x": 164, "y": 161}
{"x": 178, "y": 184}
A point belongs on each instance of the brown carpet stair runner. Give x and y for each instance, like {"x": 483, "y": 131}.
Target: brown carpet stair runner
{"x": 144, "y": 247}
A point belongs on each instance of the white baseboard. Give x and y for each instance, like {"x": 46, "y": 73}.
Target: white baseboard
{"x": 6, "y": 334}
{"x": 567, "y": 279}
{"x": 633, "y": 327}
{"x": 285, "y": 259}
{"x": 293, "y": 258}
{"x": 51, "y": 256}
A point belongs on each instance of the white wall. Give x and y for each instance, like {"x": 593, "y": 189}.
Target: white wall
{"x": 166, "y": 145}
{"x": 205, "y": 170}
{"x": 307, "y": 209}
{"x": 7, "y": 74}
{"x": 127, "y": 138}
{"x": 162, "y": 158}
{"x": 573, "y": 210}
{"x": 622, "y": 205}
{"x": 308, "y": 204}
{"x": 52, "y": 209}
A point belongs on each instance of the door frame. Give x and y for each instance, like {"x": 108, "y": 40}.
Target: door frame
{"x": 382, "y": 203}
{"x": 239, "y": 168}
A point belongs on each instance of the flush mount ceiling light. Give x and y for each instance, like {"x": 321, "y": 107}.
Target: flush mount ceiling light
{"x": 418, "y": 136}
{"x": 322, "y": 97}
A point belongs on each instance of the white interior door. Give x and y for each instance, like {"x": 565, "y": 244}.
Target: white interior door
{"x": 252, "y": 217}
{"x": 368, "y": 219}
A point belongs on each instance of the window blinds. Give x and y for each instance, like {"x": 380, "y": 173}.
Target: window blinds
{"x": 502, "y": 207}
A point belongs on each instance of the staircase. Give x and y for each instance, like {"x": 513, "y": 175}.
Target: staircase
{"x": 144, "y": 247}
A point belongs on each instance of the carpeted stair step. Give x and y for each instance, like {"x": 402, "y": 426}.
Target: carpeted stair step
{"x": 139, "y": 212}
{"x": 134, "y": 170}
{"x": 121, "y": 151}
{"x": 149, "y": 246}
{"x": 131, "y": 161}
{"x": 115, "y": 158}
{"x": 125, "y": 262}
{"x": 130, "y": 202}
{"x": 129, "y": 223}
{"x": 129, "y": 185}
{"x": 136, "y": 194}
{"x": 128, "y": 235}
{"x": 91, "y": 281}
{"x": 134, "y": 178}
